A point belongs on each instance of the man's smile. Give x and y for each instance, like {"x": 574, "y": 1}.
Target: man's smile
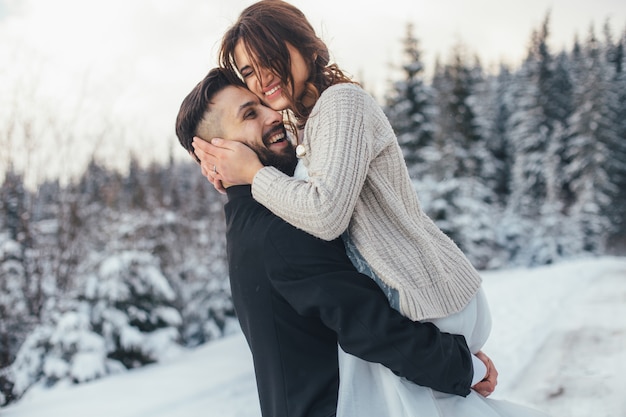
{"x": 275, "y": 136}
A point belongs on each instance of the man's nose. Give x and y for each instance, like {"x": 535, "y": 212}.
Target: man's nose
{"x": 272, "y": 117}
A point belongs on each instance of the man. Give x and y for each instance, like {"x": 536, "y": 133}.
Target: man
{"x": 297, "y": 296}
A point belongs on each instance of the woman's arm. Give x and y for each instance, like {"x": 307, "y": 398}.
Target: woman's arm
{"x": 339, "y": 138}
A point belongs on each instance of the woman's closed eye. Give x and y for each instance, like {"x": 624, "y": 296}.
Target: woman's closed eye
{"x": 246, "y": 72}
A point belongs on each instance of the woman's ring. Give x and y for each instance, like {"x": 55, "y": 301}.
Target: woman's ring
{"x": 214, "y": 169}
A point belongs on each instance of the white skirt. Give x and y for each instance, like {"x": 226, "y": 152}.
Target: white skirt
{"x": 370, "y": 390}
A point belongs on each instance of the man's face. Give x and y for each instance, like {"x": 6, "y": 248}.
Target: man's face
{"x": 246, "y": 120}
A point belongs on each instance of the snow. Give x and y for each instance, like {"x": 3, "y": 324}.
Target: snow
{"x": 558, "y": 342}
{"x": 87, "y": 366}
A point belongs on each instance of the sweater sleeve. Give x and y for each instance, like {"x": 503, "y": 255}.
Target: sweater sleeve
{"x": 319, "y": 280}
{"x": 340, "y": 145}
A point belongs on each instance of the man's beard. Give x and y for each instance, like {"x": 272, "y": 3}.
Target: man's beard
{"x": 285, "y": 161}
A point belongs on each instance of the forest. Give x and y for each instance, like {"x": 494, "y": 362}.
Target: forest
{"x": 522, "y": 166}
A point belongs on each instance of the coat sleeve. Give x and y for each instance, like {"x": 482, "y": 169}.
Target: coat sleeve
{"x": 317, "y": 279}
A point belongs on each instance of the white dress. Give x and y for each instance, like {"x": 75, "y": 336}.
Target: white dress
{"x": 371, "y": 390}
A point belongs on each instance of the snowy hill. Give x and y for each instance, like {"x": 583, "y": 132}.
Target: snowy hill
{"x": 558, "y": 341}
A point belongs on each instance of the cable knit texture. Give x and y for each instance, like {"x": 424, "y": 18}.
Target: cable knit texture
{"x": 358, "y": 182}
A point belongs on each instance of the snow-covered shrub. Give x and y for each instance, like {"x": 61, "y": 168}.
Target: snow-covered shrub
{"x": 208, "y": 311}
{"x": 15, "y": 320}
{"x": 124, "y": 319}
{"x": 551, "y": 238}
{"x": 67, "y": 351}
{"x": 131, "y": 306}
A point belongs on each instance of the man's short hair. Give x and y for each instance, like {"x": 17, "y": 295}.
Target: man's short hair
{"x": 195, "y": 106}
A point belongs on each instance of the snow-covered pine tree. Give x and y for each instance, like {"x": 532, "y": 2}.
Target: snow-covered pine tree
{"x": 100, "y": 185}
{"x": 20, "y": 290}
{"x": 560, "y": 91}
{"x": 453, "y": 193}
{"x": 556, "y": 238}
{"x": 409, "y": 108}
{"x": 65, "y": 350}
{"x": 131, "y": 307}
{"x": 616, "y": 55}
{"x": 492, "y": 107}
{"x": 531, "y": 128}
{"x": 134, "y": 187}
{"x": 14, "y": 313}
{"x": 462, "y": 209}
{"x": 541, "y": 93}
{"x": 592, "y": 133}
{"x": 122, "y": 318}
{"x": 457, "y": 134}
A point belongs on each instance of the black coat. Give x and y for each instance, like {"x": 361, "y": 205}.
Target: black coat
{"x": 297, "y": 296}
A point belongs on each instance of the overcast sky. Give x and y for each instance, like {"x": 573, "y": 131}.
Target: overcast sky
{"x": 136, "y": 59}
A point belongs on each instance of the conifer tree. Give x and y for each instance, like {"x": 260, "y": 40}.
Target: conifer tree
{"x": 134, "y": 189}
{"x": 591, "y": 135}
{"x": 409, "y": 106}
{"x": 542, "y": 96}
{"x": 16, "y": 321}
{"x": 100, "y": 185}
{"x": 493, "y": 110}
{"x": 455, "y": 191}
{"x": 14, "y": 196}
{"x": 22, "y": 266}
{"x": 130, "y": 303}
{"x": 617, "y": 147}
{"x": 458, "y": 135}
{"x": 531, "y": 128}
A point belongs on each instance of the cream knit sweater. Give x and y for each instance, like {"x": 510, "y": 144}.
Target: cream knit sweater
{"x": 358, "y": 181}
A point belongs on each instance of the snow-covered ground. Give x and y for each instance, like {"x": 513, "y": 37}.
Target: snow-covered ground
{"x": 558, "y": 341}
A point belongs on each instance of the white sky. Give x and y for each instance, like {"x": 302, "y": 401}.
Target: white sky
{"x": 134, "y": 61}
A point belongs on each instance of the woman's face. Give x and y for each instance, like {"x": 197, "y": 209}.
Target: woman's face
{"x": 267, "y": 85}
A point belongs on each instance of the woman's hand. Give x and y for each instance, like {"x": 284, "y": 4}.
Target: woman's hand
{"x": 489, "y": 382}
{"x": 226, "y": 162}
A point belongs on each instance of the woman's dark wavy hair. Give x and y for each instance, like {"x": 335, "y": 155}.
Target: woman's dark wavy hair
{"x": 265, "y": 27}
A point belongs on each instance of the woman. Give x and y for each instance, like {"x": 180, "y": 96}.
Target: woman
{"x": 352, "y": 181}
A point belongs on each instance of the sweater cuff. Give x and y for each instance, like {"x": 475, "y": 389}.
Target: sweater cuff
{"x": 480, "y": 370}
